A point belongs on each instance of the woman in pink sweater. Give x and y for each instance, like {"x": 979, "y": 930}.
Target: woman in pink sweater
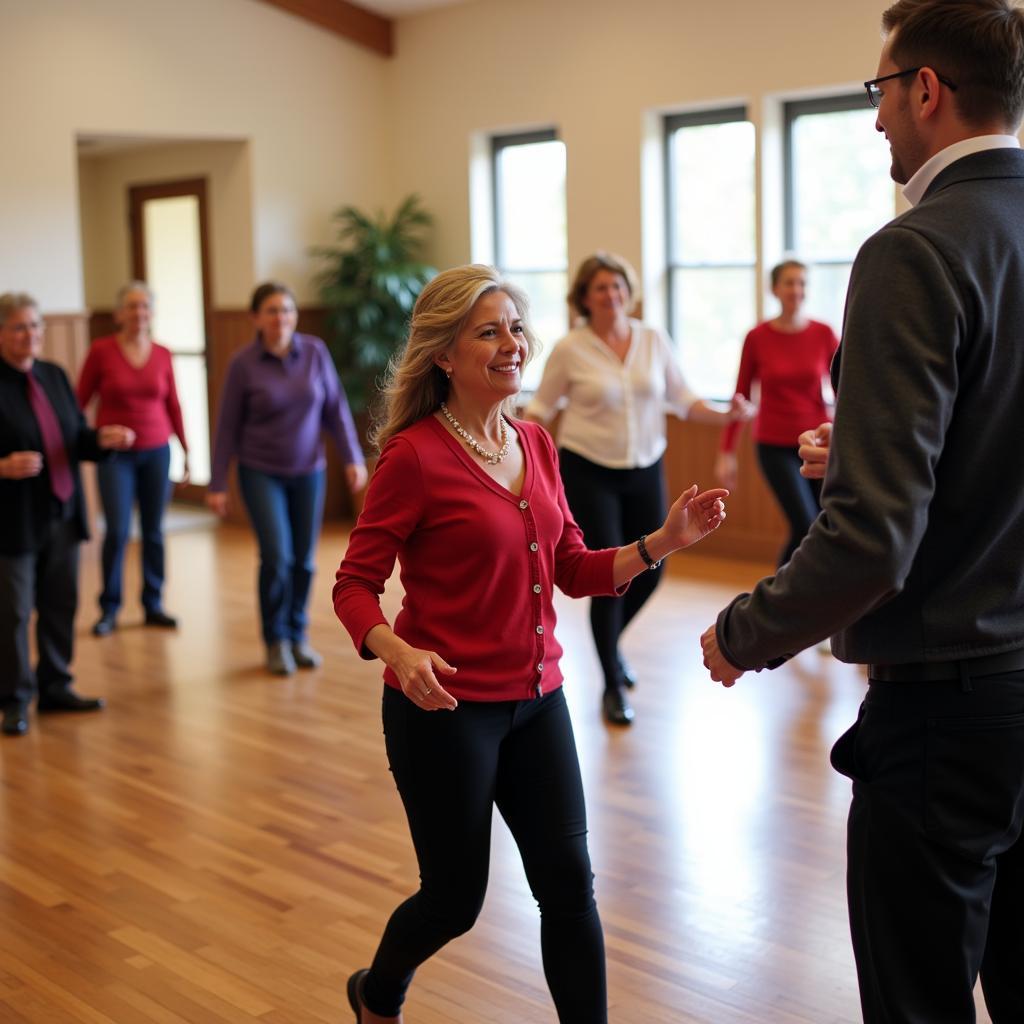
{"x": 133, "y": 378}
{"x": 789, "y": 359}
{"x": 470, "y": 503}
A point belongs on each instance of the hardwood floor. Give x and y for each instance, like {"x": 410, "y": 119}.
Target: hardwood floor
{"x": 223, "y": 846}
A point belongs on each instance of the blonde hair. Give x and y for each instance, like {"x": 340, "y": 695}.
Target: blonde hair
{"x": 11, "y": 302}
{"x": 414, "y": 385}
{"x": 590, "y": 267}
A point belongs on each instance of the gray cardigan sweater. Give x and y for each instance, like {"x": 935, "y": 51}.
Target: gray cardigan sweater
{"x": 918, "y": 554}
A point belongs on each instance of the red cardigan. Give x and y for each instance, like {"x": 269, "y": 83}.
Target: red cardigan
{"x": 790, "y": 368}
{"x": 478, "y": 563}
{"x": 144, "y": 399}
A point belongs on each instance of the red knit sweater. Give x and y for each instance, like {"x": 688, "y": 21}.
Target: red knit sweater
{"x": 790, "y": 368}
{"x": 144, "y": 399}
{"x": 478, "y": 563}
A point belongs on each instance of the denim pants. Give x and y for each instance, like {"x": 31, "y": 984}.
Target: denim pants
{"x": 124, "y": 478}
{"x": 286, "y": 512}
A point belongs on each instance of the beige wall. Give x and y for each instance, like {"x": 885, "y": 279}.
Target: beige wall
{"x": 103, "y": 192}
{"x": 314, "y": 108}
{"x": 598, "y": 70}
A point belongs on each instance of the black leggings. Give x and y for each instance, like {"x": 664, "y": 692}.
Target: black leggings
{"x": 614, "y": 507}
{"x": 799, "y": 497}
{"x": 451, "y": 768}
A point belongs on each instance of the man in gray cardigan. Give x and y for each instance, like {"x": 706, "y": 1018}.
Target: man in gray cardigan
{"x": 916, "y": 565}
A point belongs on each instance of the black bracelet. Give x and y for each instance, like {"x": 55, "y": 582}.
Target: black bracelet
{"x": 641, "y": 546}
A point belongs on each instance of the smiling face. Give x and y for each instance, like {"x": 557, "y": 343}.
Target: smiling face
{"x": 276, "y": 319}
{"x": 896, "y": 121}
{"x": 607, "y": 295}
{"x": 21, "y": 338}
{"x": 135, "y": 314}
{"x": 487, "y": 353}
{"x": 790, "y": 289}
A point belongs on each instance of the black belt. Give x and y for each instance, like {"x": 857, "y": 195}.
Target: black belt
{"x": 938, "y": 671}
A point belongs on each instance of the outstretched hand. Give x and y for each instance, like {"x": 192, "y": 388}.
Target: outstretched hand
{"x": 693, "y": 516}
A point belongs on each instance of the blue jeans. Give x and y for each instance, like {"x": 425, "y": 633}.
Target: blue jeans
{"x": 286, "y": 512}
{"x": 124, "y": 478}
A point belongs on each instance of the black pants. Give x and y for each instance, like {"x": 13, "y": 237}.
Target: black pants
{"x": 936, "y": 860}
{"x": 799, "y": 497}
{"x": 614, "y": 507}
{"x": 451, "y": 769}
{"x": 46, "y": 580}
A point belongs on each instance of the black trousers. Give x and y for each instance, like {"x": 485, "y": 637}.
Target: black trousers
{"x": 47, "y": 581}
{"x": 935, "y": 854}
{"x": 799, "y": 497}
{"x": 451, "y": 769}
{"x": 614, "y": 507}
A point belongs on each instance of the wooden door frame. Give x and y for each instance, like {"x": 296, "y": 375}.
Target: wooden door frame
{"x": 138, "y": 196}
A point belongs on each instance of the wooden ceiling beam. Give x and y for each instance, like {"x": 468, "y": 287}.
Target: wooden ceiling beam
{"x": 348, "y": 20}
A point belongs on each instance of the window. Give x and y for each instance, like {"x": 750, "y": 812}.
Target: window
{"x": 838, "y": 192}
{"x": 529, "y": 230}
{"x": 712, "y": 246}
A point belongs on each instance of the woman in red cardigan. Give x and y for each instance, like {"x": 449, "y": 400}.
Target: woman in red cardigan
{"x": 470, "y": 503}
{"x": 134, "y": 379}
{"x": 789, "y": 357}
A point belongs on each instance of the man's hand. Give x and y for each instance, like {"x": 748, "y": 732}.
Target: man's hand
{"x": 722, "y": 670}
{"x": 814, "y": 445}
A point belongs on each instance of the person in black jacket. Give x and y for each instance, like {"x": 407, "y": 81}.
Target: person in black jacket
{"x": 43, "y": 436}
{"x": 914, "y": 565}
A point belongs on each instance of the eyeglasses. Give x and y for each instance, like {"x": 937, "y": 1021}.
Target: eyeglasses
{"x": 875, "y": 94}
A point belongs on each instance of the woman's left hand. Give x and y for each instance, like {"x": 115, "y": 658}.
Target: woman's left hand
{"x": 693, "y": 516}
{"x": 186, "y": 475}
{"x": 119, "y": 438}
{"x": 355, "y": 476}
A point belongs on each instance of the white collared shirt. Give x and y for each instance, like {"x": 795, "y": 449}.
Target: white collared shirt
{"x": 929, "y": 170}
{"x": 613, "y": 410}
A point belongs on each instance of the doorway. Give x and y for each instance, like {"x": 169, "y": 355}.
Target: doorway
{"x": 170, "y": 251}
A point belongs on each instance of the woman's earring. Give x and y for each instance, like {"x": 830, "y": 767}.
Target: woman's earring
{"x": 448, "y": 373}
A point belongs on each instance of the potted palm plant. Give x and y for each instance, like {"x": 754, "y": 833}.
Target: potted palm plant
{"x": 369, "y": 284}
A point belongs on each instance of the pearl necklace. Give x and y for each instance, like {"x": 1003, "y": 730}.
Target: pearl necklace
{"x": 492, "y": 458}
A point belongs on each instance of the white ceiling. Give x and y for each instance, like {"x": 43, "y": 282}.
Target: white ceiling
{"x": 396, "y": 8}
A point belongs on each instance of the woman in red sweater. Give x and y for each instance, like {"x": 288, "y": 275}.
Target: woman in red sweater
{"x": 134, "y": 379}
{"x": 789, "y": 357}
{"x": 470, "y": 503}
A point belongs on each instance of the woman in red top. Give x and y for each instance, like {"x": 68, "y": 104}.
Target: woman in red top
{"x": 789, "y": 357}
{"x": 470, "y": 503}
{"x": 134, "y": 379}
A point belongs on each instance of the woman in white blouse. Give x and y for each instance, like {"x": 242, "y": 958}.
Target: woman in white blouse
{"x": 614, "y": 378}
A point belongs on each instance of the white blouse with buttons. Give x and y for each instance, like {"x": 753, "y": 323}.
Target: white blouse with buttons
{"x": 613, "y": 410}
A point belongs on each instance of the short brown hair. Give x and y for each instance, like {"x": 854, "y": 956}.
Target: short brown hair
{"x": 601, "y": 260}
{"x": 978, "y": 44}
{"x": 780, "y": 268}
{"x": 265, "y": 291}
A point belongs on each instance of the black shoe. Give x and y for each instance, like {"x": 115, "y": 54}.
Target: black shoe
{"x": 105, "y": 624}
{"x": 627, "y": 673}
{"x": 617, "y": 709}
{"x": 15, "y": 722}
{"x": 68, "y": 700}
{"x": 161, "y": 618}
{"x": 355, "y": 992}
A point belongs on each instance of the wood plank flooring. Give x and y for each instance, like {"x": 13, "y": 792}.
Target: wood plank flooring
{"x": 222, "y": 847}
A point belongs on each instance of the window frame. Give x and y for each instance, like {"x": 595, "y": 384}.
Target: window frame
{"x": 672, "y": 123}
{"x": 792, "y": 110}
{"x": 499, "y": 143}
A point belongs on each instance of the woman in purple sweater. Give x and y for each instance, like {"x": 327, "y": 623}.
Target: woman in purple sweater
{"x": 281, "y": 392}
